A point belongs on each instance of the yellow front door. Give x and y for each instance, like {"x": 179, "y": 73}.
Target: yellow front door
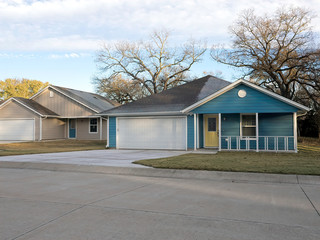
{"x": 211, "y": 131}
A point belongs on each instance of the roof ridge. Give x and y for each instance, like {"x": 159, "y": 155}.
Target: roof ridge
{"x": 93, "y": 101}
{"x": 177, "y": 97}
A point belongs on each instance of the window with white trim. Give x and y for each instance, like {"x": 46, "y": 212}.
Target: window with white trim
{"x": 248, "y": 125}
{"x": 93, "y": 128}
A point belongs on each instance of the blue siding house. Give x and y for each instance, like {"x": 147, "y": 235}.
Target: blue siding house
{"x": 207, "y": 113}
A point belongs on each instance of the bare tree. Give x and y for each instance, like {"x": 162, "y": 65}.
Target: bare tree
{"x": 119, "y": 89}
{"x": 153, "y": 65}
{"x": 278, "y": 52}
{"x": 273, "y": 50}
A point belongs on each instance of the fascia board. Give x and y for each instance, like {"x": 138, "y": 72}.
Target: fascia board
{"x": 238, "y": 82}
{"x": 75, "y": 117}
{"x": 40, "y": 92}
{"x": 277, "y": 96}
{"x": 143, "y": 114}
{"x": 5, "y": 102}
{"x": 28, "y": 107}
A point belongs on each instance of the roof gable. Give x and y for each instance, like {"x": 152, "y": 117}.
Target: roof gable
{"x": 31, "y": 105}
{"x": 92, "y": 101}
{"x": 264, "y": 91}
{"x": 254, "y": 102}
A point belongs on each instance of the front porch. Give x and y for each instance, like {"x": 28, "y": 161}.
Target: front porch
{"x": 273, "y": 132}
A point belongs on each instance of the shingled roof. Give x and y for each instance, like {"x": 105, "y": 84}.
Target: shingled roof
{"x": 35, "y": 106}
{"x": 92, "y": 100}
{"x": 174, "y": 99}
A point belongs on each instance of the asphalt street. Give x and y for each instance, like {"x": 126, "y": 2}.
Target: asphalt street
{"x": 43, "y": 205}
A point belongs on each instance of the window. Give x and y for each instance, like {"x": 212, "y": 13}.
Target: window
{"x": 248, "y": 125}
{"x": 51, "y": 94}
{"x": 93, "y": 128}
{"x": 212, "y": 124}
{"x": 242, "y": 93}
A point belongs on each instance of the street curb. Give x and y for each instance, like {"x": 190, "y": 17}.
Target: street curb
{"x": 167, "y": 173}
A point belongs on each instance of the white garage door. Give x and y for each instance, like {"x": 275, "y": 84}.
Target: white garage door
{"x": 16, "y": 129}
{"x": 152, "y": 133}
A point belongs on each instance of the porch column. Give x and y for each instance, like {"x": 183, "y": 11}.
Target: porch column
{"x": 295, "y": 132}
{"x": 195, "y": 131}
{"x": 220, "y": 132}
{"x": 198, "y": 129}
{"x": 257, "y": 132}
{"x": 107, "y": 133}
{"x": 100, "y": 128}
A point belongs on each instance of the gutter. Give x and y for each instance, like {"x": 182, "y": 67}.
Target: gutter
{"x": 143, "y": 114}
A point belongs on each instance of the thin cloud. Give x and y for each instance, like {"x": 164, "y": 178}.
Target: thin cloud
{"x": 68, "y": 55}
{"x": 79, "y": 25}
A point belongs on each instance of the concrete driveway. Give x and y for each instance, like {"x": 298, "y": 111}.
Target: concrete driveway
{"x": 115, "y": 158}
{"x": 50, "y": 205}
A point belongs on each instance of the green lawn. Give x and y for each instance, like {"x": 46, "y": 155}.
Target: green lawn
{"x": 307, "y": 161}
{"x": 49, "y": 147}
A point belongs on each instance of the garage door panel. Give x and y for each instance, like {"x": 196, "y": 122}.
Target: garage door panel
{"x": 152, "y": 133}
{"x": 17, "y": 129}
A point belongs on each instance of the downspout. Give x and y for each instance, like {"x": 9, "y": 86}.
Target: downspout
{"x": 257, "y": 132}
{"x": 295, "y": 128}
{"x": 40, "y": 126}
{"x": 100, "y": 128}
{"x": 300, "y": 115}
{"x": 220, "y": 132}
{"x": 295, "y": 131}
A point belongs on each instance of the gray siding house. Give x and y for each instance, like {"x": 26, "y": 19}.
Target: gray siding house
{"x": 54, "y": 113}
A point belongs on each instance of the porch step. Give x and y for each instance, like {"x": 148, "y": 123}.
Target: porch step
{"x": 205, "y": 151}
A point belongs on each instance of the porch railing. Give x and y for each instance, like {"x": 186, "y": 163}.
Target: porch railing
{"x": 262, "y": 143}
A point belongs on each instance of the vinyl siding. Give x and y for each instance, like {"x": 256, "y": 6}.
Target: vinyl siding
{"x": 61, "y": 104}
{"x": 190, "y": 133}
{"x": 112, "y": 132}
{"x": 83, "y": 130}
{"x": 230, "y": 124}
{"x": 276, "y": 124}
{"x": 255, "y": 101}
{"x": 53, "y": 128}
{"x": 104, "y": 129}
{"x": 15, "y": 110}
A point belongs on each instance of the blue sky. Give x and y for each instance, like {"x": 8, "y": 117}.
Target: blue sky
{"x": 56, "y": 40}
